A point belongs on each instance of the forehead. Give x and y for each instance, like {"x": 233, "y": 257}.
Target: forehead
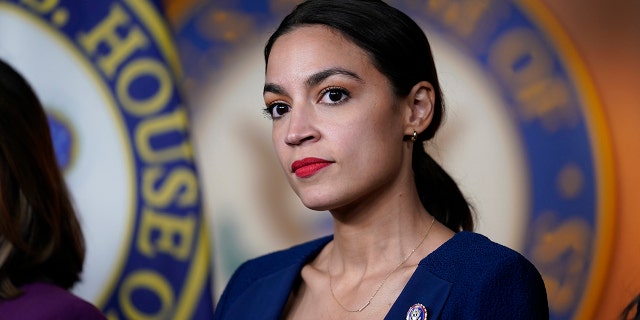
{"x": 310, "y": 48}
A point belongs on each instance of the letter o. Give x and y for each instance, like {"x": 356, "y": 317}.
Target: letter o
{"x": 514, "y": 46}
{"x": 151, "y": 281}
{"x": 158, "y": 99}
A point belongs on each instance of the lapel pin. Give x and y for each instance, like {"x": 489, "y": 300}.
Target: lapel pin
{"x": 417, "y": 312}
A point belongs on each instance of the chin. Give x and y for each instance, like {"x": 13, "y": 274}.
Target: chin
{"x": 324, "y": 203}
{"x": 318, "y": 199}
{"x": 316, "y": 205}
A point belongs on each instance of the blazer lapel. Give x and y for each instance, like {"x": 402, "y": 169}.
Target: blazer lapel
{"x": 265, "y": 298}
{"x": 423, "y": 288}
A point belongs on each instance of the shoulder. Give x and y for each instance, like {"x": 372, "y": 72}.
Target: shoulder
{"x": 53, "y": 303}
{"x": 469, "y": 251}
{"x": 488, "y": 278}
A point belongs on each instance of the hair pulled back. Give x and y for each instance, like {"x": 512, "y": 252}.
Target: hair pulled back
{"x": 399, "y": 49}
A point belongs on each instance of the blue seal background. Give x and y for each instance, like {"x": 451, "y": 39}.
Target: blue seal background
{"x": 563, "y": 175}
{"x": 189, "y": 280}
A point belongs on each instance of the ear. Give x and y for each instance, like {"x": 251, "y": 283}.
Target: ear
{"x": 419, "y": 108}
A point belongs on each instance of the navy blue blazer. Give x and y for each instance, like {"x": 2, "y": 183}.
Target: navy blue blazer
{"x": 468, "y": 277}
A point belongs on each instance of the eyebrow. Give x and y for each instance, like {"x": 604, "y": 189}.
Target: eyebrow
{"x": 273, "y": 88}
{"x": 316, "y": 78}
{"x": 313, "y": 80}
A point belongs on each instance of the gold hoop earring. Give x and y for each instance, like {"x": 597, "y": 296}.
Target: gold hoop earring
{"x": 414, "y": 137}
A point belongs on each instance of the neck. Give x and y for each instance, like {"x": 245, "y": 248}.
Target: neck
{"x": 376, "y": 235}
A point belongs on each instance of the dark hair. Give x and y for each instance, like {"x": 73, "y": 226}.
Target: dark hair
{"x": 399, "y": 49}
{"x": 40, "y": 237}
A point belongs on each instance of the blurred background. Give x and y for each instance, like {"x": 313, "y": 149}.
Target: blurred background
{"x": 541, "y": 135}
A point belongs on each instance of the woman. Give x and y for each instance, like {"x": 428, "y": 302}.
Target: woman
{"x": 41, "y": 243}
{"x": 352, "y": 89}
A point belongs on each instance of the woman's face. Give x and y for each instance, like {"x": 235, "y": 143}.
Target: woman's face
{"x": 337, "y": 128}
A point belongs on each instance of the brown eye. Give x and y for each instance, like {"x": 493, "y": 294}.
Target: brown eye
{"x": 334, "y": 95}
{"x": 277, "y": 110}
{"x": 280, "y": 110}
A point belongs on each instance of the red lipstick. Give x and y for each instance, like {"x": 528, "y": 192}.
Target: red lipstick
{"x": 308, "y": 166}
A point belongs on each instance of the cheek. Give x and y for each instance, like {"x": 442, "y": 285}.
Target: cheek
{"x": 379, "y": 141}
{"x": 278, "y": 145}
{"x": 364, "y": 140}
{"x": 382, "y": 128}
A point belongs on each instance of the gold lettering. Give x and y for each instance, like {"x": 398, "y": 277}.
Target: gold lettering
{"x": 150, "y": 281}
{"x": 176, "y": 121}
{"x": 41, "y": 6}
{"x": 166, "y": 233}
{"x": 522, "y": 62}
{"x": 547, "y": 99}
{"x": 112, "y": 315}
{"x": 471, "y": 20}
{"x": 106, "y": 33}
{"x": 180, "y": 183}
{"x": 135, "y": 70}
{"x": 519, "y": 58}
{"x": 561, "y": 252}
{"x": 461, "y": 16}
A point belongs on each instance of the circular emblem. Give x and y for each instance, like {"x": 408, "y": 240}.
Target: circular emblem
{"x": 417, "y": 312}
{"x": 109, "y": 73}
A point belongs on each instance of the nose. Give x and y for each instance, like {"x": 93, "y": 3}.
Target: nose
{"x": 301, "y": 126}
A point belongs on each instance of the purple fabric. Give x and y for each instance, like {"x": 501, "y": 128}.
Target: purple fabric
{"x": 42, "y": 301}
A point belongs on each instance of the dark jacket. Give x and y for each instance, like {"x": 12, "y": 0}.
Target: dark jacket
{"x": 468, "y": 277}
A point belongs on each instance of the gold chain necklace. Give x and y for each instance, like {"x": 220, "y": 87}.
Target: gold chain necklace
{"x": 383, "y": 280}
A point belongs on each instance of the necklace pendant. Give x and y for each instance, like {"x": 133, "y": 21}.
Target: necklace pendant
{"x": 417, "y": 312}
